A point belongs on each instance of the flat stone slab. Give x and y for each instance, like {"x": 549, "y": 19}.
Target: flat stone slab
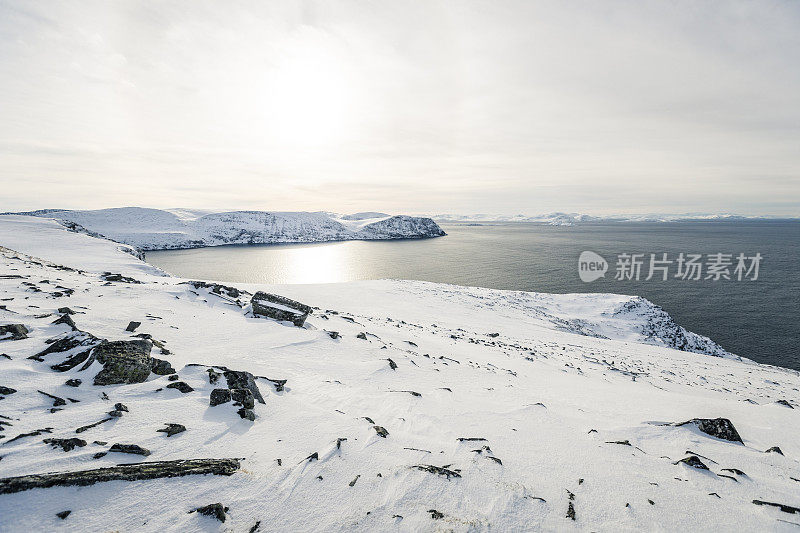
{"x": 127, "y": 472}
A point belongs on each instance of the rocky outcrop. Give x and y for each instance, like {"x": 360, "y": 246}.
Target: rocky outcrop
{"x": 215, "y": 510}
{"x": 243, "y": 380}
{"x": 13, "y": 332}
{"x": 721, "y": 428}
{"x": 280, "y": 308}
{"x": 128, "y": 472}
{"x": 123, "y": 361}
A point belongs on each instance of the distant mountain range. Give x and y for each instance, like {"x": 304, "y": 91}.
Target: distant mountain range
{"x": 156, "y": 229}
{"x": 568, "y": 219}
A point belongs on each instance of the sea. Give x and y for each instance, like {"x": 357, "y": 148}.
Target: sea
{"x": 747, "y": 297}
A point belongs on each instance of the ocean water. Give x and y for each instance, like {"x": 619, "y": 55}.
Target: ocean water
{"x": 758, "y": 319}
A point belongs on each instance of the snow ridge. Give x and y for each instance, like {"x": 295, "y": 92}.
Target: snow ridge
{"x": 155, "y": 229}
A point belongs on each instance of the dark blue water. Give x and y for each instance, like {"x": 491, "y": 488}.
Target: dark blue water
{"x": 756, "y": 319}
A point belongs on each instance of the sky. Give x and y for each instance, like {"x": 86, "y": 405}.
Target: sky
{"x": 430, "y": 107}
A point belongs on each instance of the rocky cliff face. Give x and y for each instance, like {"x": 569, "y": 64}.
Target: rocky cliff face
{"x": 153, "y": 229}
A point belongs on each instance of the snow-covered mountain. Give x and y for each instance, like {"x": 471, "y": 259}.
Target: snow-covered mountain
{"x": 569, "y": 219}
{"x": 398, "y": 406}
{"x": 154, "y": 229}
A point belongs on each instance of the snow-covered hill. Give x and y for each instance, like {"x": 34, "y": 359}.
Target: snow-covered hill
{"x": 154, "y": 229}
{"x": 406, "y": 406}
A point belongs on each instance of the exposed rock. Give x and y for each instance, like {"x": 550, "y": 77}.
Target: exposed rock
{"x": 494, "y": 335}
{"x": 220, "y": 396}
{"x": 66, "y": 311}
{"x": 129, "y": 448}
{"x": 121, "y": 407}
{"x": 173, "y": 377}
{"x": 785, "y": 403}
{"x": 161, "y": 367}
{"x": 438, "y": 470}
{"x": 243, "y": 397}
{"x": 67, "y": 321}
{"x": 63, "y": 514}
{"x": 774, "y": 449}
{"x": 722, "y": 428}
{"x": 243, "y": 380}
{"x": 13, "y": 332}
{"x": 5, "y": 391}
{"x": 128, "y": 472}
{"x": 66, "y": 444}
{"x": 333, "y": 334}
{"x": 123, "y": 361}
{"x": 279, "y": 308}
{"x": 108, "y": 276}
{"x": 216, "y": 288}
{"x": 215, "y": 510}
{"x": 172, "y": 429}
{"x": 132, "y": 325}
{"x": 783, "y": 507}
{"x": 247, "y": 414}
{"x": 90, "y": 426}
{"x": 436, "y": 515}
{"x": 392, "y": 364}
{"x": 362, "y": 336}
{"x": 56, "y": 400}
{"x": 694, "y": 462}
{"x": 181, "y": 386}
{"x": 34, "y": 433}
{"x": 381, "y": 431}
{"x": 213, "y": 376}
{"x": 73, "y": 382}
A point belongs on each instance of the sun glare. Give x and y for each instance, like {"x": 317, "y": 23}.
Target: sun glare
{"x": 310, "y": 94}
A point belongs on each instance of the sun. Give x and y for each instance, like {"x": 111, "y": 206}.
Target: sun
{"x": 309, "y": 100}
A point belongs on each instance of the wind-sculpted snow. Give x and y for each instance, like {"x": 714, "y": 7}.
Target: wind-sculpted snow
{"x": 398, "y": 406}
{"x": 153, "y": 229}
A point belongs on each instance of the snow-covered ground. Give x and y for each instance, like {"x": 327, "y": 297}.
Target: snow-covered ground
{"x": 154, "y": 229}
{"x": 435, "y": 408}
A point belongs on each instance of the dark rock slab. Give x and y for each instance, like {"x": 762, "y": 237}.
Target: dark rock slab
{"x": 243, "y": 397}
{"x": 129, "y": 448}
{"x": 67, "y": 321}
{"x": 721, "y": 428}
{"x": 66, "y": 444}
{"x": 214, "y": 510}
{"x": 438, "y": 470}
{"x": 5, "y": 391}
{"x": 220, "y": 396}
{"x": 243, "y": 380}
{"x": 694, "y": 462}
{"x": 161, "y": 367}
{"x": 66, "y": 311}
{"x": 172, "y": 429}
{"x": 132, "y": 325}
{"x": 108, "y": 276}
{"x": 280, "y": 308}
{"x": 56, "y": 400}
{"x": 127, "y": 472}
{"x": 13, "y": 332}
{"x": 123, "y": 361}
{"x": 774, "y": 449}
{"x": 381, "y": 431}
{"x": 73, "y": 382}
{"x": 782, "y": 506}
{"x": 247, "y": 414}
{"x": 183, "y": 387}
{"x": 63, "y": 514}
{"x": 90, "y": 426}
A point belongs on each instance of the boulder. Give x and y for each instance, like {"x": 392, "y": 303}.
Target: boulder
{"x": 13, "y": 332}
{"x": 243, "y": 397}
{"x": 129, "y": 448}
{"x": 172, "y": 429}
{"x": 215, "y": 510}
{"x": 161, "y": 367}
{"x": 279, "y": 308}
{"x": 183, "y": 387}
{"x": 123, "y": 361}
{"x": 721, "y": 428}
{"x": 65, "y": 444}
{"x": 132, "y": 325}
{"x": 247, "y": 414}
{"x": 220, "y": 396}
{"x": 243, "y": 380}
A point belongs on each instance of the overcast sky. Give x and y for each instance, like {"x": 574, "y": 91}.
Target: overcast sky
{"x": 416, "y": 107}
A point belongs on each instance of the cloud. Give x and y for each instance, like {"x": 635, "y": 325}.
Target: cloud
{"x": 438, "y": 106}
